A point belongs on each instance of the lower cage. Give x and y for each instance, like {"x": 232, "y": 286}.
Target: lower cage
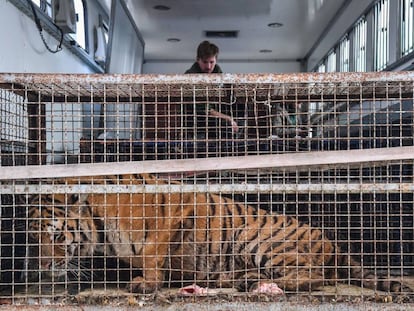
{"x": 307, "y": 201}
{"x": 216, "y": 236}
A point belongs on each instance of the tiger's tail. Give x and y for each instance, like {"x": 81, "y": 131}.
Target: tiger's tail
{"x": 366, "y": 278}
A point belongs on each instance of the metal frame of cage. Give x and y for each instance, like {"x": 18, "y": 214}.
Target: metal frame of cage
{"x": 345, "y": 163}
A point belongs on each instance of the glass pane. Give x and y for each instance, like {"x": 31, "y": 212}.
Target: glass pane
{"x": 360, "y": 40}
{"x": 79, "y": 36}
{"x": 407, "y": 29}
{"x": 344, "y": 55}
{"x": 331, "y": 62}
{"x": 381, "y": 32}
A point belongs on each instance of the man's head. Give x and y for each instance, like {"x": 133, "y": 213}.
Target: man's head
{"x": 207, "y": 56}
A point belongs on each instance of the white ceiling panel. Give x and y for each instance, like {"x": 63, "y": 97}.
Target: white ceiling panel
{"x": 303, "y": 23}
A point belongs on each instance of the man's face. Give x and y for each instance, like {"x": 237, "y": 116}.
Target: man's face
{"x": 207, "y": 64}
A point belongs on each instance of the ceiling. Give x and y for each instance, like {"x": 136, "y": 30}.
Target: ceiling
{"x": 187, "y": 20}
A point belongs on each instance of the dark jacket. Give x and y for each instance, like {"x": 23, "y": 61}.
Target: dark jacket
{"x": 196, "y": 116}
{"x": 195, "y": 68}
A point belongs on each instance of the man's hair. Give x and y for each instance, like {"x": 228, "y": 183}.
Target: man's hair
{"x": 206, "y": 49}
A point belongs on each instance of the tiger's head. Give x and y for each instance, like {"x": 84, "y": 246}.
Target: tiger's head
{"x": 62, "y": 232}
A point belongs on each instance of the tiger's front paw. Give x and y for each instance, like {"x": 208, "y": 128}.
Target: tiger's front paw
{"x": 143, "y": 286}
{"x": 267, "y": 288}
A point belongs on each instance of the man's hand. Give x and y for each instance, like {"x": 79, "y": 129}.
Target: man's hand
{"x": 234, "y": 126}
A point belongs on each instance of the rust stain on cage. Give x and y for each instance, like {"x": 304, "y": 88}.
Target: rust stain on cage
{"x": 171, "y": 79}
{"x": 124, "y": 87}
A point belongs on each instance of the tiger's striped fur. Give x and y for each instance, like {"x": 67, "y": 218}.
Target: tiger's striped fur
{"x": 187, "y": 237}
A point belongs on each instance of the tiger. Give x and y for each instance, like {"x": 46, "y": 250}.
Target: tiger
{"x": 188, "y": 237}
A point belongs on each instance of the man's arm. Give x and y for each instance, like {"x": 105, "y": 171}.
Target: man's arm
{"x": 223, "y": 116}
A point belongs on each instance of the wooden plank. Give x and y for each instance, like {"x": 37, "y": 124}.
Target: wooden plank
{"x": 276, "y": 162}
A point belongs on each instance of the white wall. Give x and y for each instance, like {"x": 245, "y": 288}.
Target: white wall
{"x": 24, "y": 52}
{"x": 23, "y": 49}
{"x": 227, "y": 66}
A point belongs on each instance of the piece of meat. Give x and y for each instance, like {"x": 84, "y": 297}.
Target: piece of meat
{"x": 268, "y": 288}
{"x": 193, "y": 289}
{"x": 263, "y": 288}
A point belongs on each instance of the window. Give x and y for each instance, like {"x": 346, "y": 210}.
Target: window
{"x": 105, "y": 28}
{"x": 45, "y": 6}
{"x": 382, "y": 38}
{"x": 321, "y": 68}
{"x": 101, "y": 36}
{"x": 407, "y": 26}
{"x": 344, "y": 54}
{"x": 80, "y": 35}
{"x": 381, "y": 34}
{"x": 331, "y": 62}
{"x": 360, "y": 42}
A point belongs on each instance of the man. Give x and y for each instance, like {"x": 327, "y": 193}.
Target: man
{"x": 206, "y": 62}
{"x": 206, "y": 59}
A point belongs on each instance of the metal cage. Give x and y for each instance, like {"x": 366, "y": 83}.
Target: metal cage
{"x": 332, "y": 151}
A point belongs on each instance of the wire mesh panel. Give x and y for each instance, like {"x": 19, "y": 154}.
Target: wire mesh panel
{"x": 206, "y": 187}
